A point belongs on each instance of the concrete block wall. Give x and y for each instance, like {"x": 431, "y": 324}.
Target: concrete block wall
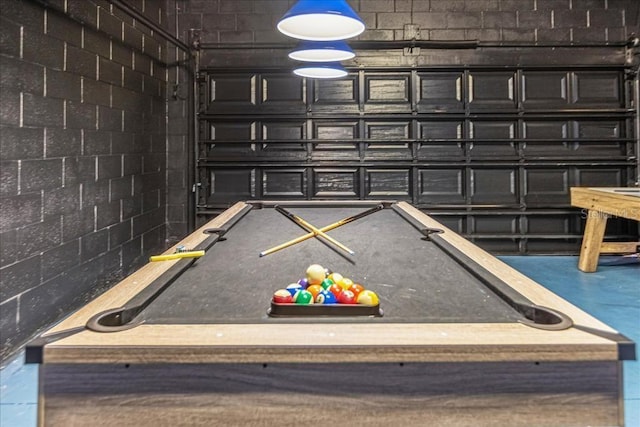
{"x": 532, "y": 21}
{"x": 226, "y": 23}
{"x": 83, "y": 147}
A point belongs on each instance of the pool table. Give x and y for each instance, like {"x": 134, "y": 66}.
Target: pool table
{"x": 460, "y": 339}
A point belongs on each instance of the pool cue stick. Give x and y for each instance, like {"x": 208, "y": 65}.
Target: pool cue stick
{"x": 325, "y": 228}
{"x": 177, "y": 255}
{"x": 304, "y": 224}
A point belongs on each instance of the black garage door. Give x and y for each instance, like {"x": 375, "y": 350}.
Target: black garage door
{"x": 490, "y": 152}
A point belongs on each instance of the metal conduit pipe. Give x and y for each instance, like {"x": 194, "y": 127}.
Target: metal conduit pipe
{"x": 636, "y": 100}
{"x": 425, "y": 44}
{"x": 633, "y": 60}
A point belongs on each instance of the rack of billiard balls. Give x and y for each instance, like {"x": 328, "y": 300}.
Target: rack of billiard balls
{"x": 324, "y": 293}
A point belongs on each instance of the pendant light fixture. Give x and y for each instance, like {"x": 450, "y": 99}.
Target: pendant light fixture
{"x": 321, "y": 20}
{"x": 321, "y": 70}
{"x": 322, "y": 51}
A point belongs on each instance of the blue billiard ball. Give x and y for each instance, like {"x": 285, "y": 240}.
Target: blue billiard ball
{"x": 294, "y": 287}
{"x": 326, "y": 297}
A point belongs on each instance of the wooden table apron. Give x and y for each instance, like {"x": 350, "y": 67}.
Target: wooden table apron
{"x": 319, "y": 373}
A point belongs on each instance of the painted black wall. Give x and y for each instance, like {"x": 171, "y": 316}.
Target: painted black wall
{"x": 253, "y": 21}
{"x": 84, "y": 140}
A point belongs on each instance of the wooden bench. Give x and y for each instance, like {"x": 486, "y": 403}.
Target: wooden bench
{"x": 600, "y": 204}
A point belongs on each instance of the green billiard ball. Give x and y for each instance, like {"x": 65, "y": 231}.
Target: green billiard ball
{"x": 303, "y": 297}
{"x": 326, "y": 283}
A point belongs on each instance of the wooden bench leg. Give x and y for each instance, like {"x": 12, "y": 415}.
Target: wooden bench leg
{"x": 592, "y": 240}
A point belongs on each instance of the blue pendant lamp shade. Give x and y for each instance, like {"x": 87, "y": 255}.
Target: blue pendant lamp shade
{"x": 322, "y": 51}
{"x": 321, "y": 70}
{"x": 321, "y": 20}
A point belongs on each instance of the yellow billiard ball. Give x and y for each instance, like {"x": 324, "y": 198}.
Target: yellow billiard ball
{"x": 345, "y": 283}
{"x": 368, "y": 297}
{"x": 336, "y": 277}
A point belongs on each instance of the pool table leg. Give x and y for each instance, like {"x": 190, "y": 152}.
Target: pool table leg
{"x": 592, "y": 241}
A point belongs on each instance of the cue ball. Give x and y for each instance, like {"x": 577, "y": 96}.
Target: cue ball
{"x": 282, "y": 296}
{"x": 326, "y": 297}
{"x": 315, "y": 274}
{"x": 368, "y": 297}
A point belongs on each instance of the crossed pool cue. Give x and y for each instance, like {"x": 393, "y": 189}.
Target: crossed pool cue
{"x": 313, "y": 231}
{"x": 304, "y": 224}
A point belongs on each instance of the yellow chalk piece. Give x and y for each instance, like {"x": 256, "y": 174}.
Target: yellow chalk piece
{"x": 177, "y": 255}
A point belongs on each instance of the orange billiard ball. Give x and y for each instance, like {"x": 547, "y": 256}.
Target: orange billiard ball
{"x": 314, "y": 290}
{"x": 356, "y": 288}
{"x": 335, "y": 289}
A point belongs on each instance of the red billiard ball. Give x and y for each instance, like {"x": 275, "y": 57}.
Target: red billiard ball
{"x": 282, "y": 296}
{"x": 326, "y": 297}
{"x": 356, "y": 288}
{"x": 347, "y": 297}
